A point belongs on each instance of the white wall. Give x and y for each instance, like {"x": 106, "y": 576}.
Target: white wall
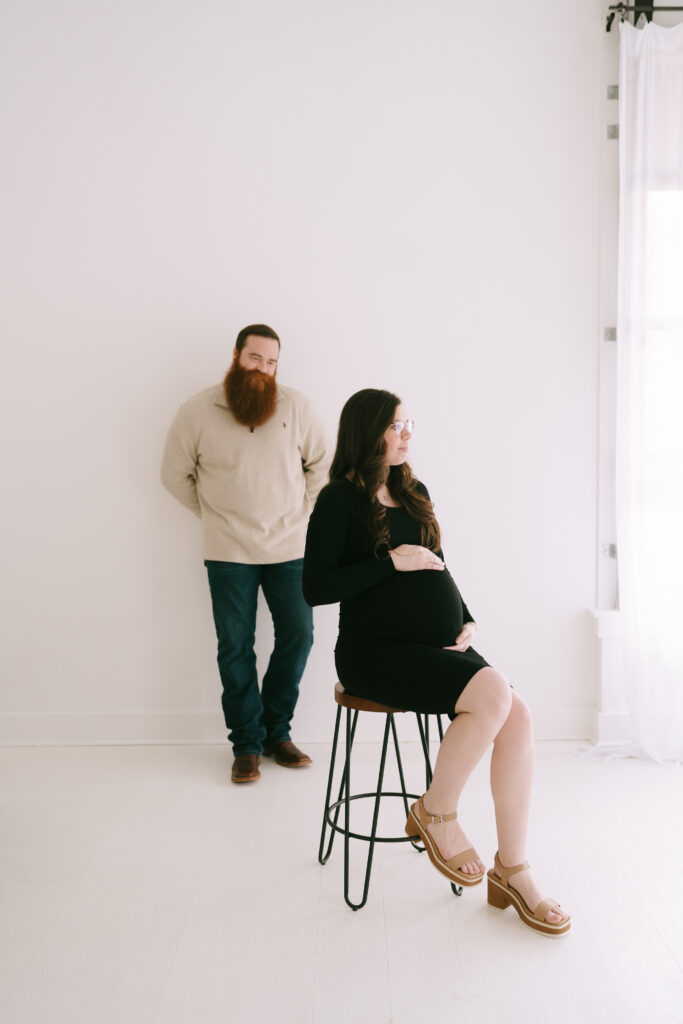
{"x": 408, "y": 193}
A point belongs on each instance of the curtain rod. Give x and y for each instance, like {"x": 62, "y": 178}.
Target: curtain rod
{"x": 648, "y": 9}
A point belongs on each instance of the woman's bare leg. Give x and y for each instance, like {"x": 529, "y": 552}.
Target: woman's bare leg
{"x": 512, "y": 770}
{"x": 512, "y": 773}
{"x": 482, "y": 709}
{"x": 488, "y": 710}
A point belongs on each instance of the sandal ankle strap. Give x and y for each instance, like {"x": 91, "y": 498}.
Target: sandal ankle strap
{"x": 434, "y": 819}
{"x": 506, "y": 873}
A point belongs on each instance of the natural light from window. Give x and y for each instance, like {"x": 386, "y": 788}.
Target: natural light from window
{"x": 663, "y": 404}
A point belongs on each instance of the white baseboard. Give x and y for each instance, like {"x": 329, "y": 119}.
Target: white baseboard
{"x": 310, "y": 726}
{"x": 562, "y": 723}
{"x": 611, "y": 727}
{"x": 94, "y": 728}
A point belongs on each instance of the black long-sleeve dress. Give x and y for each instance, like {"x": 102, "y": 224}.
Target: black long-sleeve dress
{"x": 393, "y": 626}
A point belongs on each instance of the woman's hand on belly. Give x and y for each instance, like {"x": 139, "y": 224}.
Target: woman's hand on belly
{"x": 413, "y": 557}
{"x": 464, "y": 638}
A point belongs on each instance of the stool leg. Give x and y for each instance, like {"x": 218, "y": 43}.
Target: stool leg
{"x": 375, "y": 816}
{"x": 323, "y": 858}
{"x": 413, "y": 842}
{"x": 346, "y": 778}
{"x": 425, "y": 746}
{"x": 428, "y": 763}
{"x": 438, "y": 722}
{"x": 400, "y": 766}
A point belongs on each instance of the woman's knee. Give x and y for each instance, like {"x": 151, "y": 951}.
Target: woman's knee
{"x": 518, "y": 721}
{"x": 521, "y": 710}
{"x": 488, "y": 693}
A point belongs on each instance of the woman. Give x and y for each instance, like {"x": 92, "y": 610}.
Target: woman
{"x": 405, "y": 638}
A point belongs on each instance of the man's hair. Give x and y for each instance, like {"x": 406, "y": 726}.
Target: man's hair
{"x": 261, "y": 330}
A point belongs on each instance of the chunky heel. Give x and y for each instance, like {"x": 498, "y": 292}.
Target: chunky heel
{"x": 496, "y": 898}
{"x": 501, "y": 895}
{"x": 410, "y": 828}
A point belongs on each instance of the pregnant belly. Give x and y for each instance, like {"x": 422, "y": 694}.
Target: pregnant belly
{"x": 415, "y": 607}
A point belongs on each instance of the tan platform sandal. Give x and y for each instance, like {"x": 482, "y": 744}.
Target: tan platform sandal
{"x": 501, "y": 894}
{"x": 416, "y": 826}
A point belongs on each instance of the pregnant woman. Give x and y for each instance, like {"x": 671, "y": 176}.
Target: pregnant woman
{"x": 374, "y": 545}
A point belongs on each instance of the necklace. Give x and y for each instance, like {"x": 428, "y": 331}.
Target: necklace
{"x": 385, "y": 498}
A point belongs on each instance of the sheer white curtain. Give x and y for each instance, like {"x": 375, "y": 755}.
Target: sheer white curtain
{"x": 650, "y": 385}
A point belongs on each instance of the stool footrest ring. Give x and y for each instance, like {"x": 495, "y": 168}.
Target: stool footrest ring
{"x": 371, "y": 839}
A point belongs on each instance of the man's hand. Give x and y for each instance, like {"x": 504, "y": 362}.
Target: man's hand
{"x": 411, "y": 557}
{"x": 464, "y": 638}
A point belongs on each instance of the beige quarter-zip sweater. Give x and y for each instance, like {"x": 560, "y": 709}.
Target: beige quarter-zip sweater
{"x": 254, "y": 490}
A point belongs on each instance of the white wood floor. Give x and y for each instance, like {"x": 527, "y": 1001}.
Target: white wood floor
{"x": 138, "y": 885}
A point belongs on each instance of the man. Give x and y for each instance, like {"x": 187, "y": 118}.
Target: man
{"x": 248, "y": 456}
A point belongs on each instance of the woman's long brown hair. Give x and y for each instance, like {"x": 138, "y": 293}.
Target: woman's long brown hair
{"x": 359, "y": 457}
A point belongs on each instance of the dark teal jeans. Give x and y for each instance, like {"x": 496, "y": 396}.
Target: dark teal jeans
{"x": 254, "y": 718}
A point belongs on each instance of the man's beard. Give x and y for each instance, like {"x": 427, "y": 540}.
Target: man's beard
{"x": 250, "y": 394}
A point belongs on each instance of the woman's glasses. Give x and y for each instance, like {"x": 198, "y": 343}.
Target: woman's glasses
{"x": 401, "y": 425}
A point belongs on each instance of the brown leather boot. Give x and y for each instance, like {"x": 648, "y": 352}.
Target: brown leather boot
{"x": 287, "y": 754}
{"x": 245, "y": 768}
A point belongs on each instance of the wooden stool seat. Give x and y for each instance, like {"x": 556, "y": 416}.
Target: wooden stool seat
{"x": 347, "y": 700}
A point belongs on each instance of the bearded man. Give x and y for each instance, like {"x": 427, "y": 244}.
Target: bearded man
{"x": 248, "y": 456}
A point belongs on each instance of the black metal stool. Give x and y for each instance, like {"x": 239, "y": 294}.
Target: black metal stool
{"x": 331, "y": 812}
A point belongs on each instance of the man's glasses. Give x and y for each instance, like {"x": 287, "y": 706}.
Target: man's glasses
{"x": 401, "y": 425}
